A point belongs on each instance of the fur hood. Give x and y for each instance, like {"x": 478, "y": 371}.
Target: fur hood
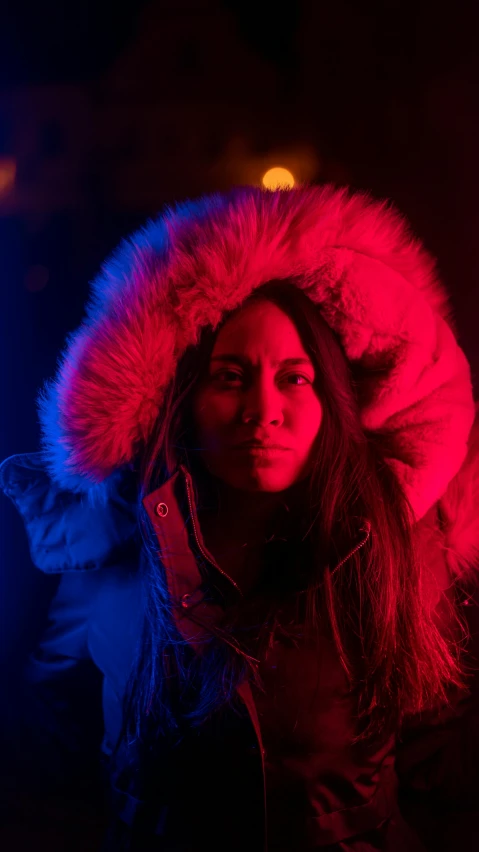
{"x": 372, "y": 280}
{"x": 459, "y": 514}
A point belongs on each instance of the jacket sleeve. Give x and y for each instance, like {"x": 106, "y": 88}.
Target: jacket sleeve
{"x": 56, "y": 707}
{"x": 438, "y": 753}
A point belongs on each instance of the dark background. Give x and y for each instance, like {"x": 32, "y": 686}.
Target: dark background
{"x": 110, "y": 110}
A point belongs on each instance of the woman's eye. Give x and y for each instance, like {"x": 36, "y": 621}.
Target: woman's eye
{"x": 299, "y": 376}
{"x": 238, "y": 376}
{"x": 227, "y": 373}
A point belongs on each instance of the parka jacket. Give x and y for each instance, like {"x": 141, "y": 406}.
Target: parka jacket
{"x": 278, "y": 772}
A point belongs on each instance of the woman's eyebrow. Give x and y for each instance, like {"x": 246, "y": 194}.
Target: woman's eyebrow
{"x": 241, "y": 359}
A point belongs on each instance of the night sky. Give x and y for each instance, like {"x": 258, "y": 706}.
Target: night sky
{"x": 58, "y": 41}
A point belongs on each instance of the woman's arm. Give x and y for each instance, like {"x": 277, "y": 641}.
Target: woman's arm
{"x": 438, "y": 762}
{"x": 56, "y": 711}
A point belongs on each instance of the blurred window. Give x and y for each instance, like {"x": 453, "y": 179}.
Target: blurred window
{"x": 52, "y": 139}
{"x": 5, "y": 136}
{"x": 189, "y": 58}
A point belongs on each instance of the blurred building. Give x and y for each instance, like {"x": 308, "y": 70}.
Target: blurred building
{"x": 185, "y": 109}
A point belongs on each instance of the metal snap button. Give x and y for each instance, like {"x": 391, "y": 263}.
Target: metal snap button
{"x": 161, "y": 509}
{"x": 185, "y": 600}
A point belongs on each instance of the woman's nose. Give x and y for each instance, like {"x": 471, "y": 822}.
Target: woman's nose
{"x": 263, "y": 403}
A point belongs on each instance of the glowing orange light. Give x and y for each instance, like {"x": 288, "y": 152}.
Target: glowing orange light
{"x": 278, "y": 178}
{"x": 8, "y": 171}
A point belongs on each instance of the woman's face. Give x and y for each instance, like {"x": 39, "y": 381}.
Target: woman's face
{"x": 251, "y": 392}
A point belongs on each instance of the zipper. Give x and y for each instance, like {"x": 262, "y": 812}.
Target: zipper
{"x": 209, "y": 558}
{"x": 265, "y": 799}
{"x": 247, "y": 696}
{"x": 367, "y": 530}
{"x": 213, "y": 562}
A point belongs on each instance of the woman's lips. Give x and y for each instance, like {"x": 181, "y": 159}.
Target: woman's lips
{"x": 257, "y": 450}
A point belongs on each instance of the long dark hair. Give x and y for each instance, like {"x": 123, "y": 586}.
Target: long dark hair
{"x": 374, "y": 606}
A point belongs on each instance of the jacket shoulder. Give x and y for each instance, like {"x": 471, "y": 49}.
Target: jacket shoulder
{"x": 67, "y": 531}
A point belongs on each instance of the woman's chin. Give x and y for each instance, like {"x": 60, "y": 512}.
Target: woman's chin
{"x": 258, "y": 480}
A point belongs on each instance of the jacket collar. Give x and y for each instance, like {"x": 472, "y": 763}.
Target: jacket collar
{"x": 173, "y": 525}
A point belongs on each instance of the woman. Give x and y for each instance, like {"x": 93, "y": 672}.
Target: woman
{"x": 268, "y": 620}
